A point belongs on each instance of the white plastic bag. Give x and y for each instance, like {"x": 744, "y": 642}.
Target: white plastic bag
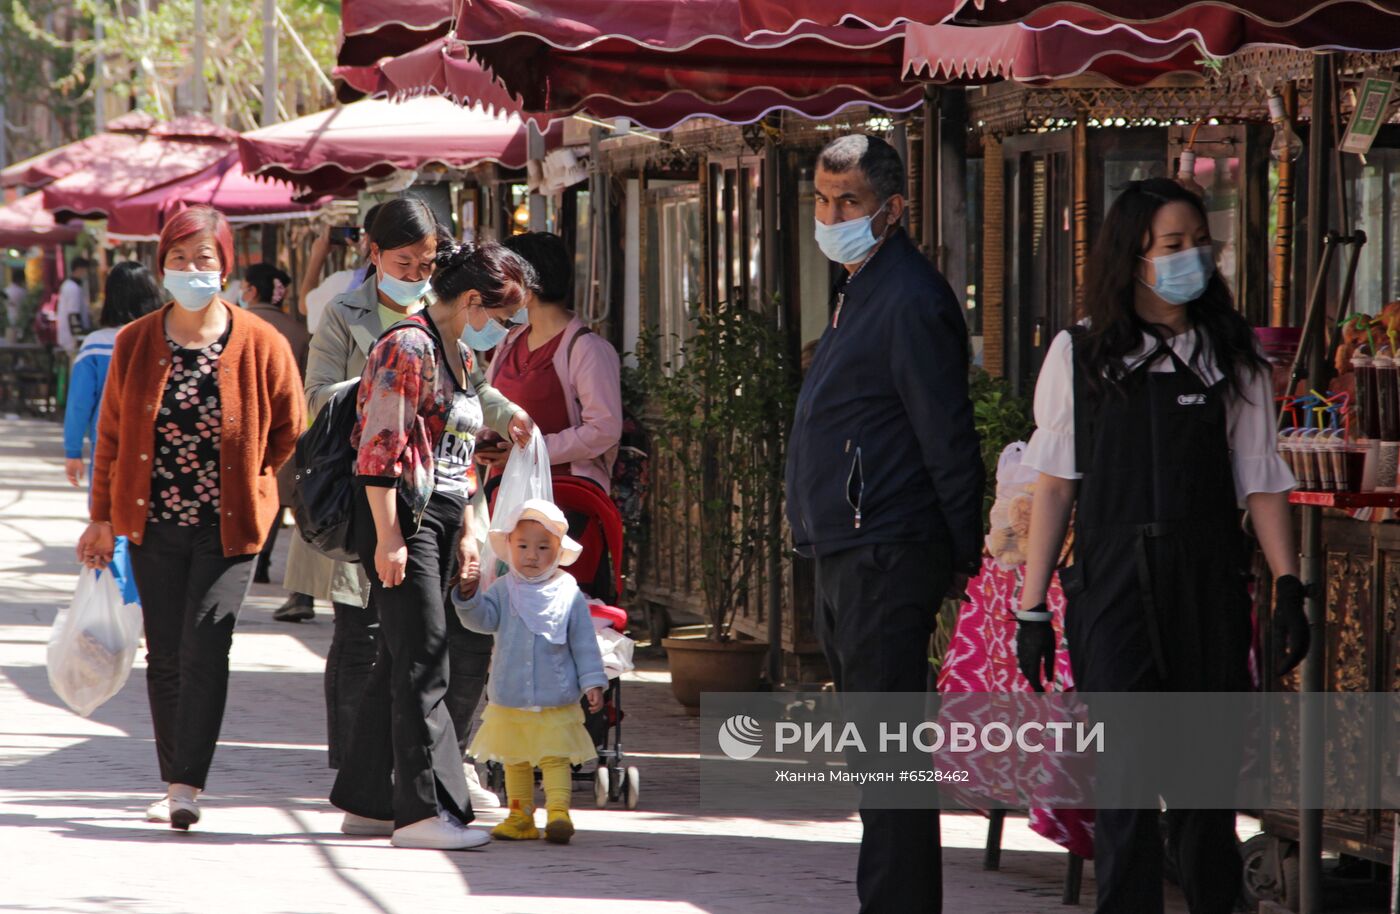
{"x": 93, "y": 643}
{"x": 526, "y": 476}
{"x": 1009, "y": 522}
{"x": 616, "y": 649}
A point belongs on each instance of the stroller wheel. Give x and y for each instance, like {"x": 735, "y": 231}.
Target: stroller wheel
{"x": 632, "y": 787}
{"x": 601, "y": 782}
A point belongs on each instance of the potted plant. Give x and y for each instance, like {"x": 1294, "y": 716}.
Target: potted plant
{"x": 720, "y": 405}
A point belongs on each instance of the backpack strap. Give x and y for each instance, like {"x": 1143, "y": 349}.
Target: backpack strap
{"x": 427, "y": 326}
{"x": 569, "y": 353}
{"x": 1083, "y": 410}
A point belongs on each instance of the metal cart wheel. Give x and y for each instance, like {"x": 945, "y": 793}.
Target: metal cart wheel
{"x": 632, "y": 787}
{"x": 601, "y": 785}
{"x": 1270, "y": 871}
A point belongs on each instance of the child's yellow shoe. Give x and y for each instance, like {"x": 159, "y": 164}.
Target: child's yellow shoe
{"x": 518, "y": 826}
{"x": 560, "y": 828}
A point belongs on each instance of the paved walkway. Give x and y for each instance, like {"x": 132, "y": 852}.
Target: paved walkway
{"x": 72, "y": 790}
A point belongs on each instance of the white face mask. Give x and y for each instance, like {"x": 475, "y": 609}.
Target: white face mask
{"x": 850, "y": 241}
{"x": 193, "y": 290}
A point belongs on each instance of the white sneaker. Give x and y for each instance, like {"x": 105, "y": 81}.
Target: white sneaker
{"x": 443, "y": 833}
{"x": 159, "y": 811}
{"x": 360, "y": 825}
{"x": 481, "y": 797}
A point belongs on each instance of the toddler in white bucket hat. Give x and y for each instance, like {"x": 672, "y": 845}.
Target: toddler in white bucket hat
{"x": 544, "y": 660}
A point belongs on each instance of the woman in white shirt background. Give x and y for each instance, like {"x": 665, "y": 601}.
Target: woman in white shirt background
{"x": 1155, "y": 426}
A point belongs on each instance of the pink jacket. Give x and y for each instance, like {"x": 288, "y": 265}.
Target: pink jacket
{"x": 590, "y": 373}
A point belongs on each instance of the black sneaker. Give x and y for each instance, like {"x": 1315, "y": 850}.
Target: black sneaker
{"x": 298, "y": 608}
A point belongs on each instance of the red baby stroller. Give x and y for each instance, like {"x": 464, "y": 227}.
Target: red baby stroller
{"x": 596, "y": 523}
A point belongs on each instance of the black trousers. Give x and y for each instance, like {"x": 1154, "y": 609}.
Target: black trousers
{"x": 350, "y": 664}
{"x": 876, "y": 608}
{"x": 1128, "y": 846}
{"x": 416, "y": 772}
{"x": 1128, "y": 859}
{"x": 190, "y": 596}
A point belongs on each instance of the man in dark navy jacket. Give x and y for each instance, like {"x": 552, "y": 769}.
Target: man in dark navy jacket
{"x": 885, "y": 477}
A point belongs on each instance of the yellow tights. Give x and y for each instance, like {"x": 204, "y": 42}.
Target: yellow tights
{"x": 520, "y": 793}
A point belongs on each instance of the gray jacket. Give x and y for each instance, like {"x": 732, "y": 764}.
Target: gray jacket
{"x": 341, "y": 346}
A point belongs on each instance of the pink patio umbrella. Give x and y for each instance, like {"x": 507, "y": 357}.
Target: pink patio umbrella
{"x": 121, "y": 134}
{"x": 25, "y": 222}
{"x": 223, "y": 186}
{"x": 169, "y": 152}
{"x": 341, "y": 147}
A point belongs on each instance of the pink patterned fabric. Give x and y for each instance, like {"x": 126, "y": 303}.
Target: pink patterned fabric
{"x": 982, "y": 658}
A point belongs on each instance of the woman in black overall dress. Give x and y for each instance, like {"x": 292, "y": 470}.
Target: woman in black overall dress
{"x": 1156, "y": 424}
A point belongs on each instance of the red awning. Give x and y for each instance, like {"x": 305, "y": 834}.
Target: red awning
{"x": 224, "y": 187}
{"x": 654, "y": 61}
{"x": 373, "y": 29}
{"x": 950, "y": 53}
{"x": 1224, "y": 27}
{"x": 167, "y": 153}
{"x": 650, "y": 97}
{"x": 25, "y": 222}
{"x": 1340, "y": 15}
{"x": 334, "y": 149}
{"x": 1222, "y": 31}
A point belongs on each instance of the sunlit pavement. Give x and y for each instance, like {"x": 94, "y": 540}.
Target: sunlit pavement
{"x": 72, "y": 791}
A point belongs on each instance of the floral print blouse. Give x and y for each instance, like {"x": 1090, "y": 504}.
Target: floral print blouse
{"x": 185, "y": 478}
{"x": 415, "y": 425}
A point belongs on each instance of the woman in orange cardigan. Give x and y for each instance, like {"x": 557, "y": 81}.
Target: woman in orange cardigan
{"x": 203, "y": 404}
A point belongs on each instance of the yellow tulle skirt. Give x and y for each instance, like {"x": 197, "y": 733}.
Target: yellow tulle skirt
{"x": 513, "y": 736}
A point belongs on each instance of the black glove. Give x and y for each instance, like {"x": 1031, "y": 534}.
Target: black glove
{"x": 1035, "y": 650}
{"x": 1291, "y": 634}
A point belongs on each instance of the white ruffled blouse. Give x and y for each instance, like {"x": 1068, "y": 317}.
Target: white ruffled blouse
{"x": 1251, "y": 418}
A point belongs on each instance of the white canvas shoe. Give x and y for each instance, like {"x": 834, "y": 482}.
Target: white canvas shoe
{"x": 360, "y": 825}
{"x": 443, "y": 833}
{"x": 481, "y": 797}
{"x": 159, "y": 811}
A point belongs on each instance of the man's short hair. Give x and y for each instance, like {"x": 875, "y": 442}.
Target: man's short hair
{"x": 79, "y": 263}
{"x": 876, "y": 159}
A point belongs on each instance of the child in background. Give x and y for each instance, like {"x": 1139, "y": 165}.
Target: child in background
{"x": 545, "y": 657}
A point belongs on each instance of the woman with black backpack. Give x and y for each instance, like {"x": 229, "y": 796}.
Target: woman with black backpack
{"x": 421, "y": 402}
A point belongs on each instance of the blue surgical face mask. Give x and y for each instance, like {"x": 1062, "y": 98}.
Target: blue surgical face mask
{"x": 402, "y": 292}
{"x": 193, "y": 290}
{"x": 519, "y": 317}
{"x": 487, "y": 338}
{"x": 849, "y": 241}
{"x": 1182, "y": 277}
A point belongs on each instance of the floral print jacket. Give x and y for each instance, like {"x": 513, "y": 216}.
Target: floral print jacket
{"x": 404, "y": 405}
